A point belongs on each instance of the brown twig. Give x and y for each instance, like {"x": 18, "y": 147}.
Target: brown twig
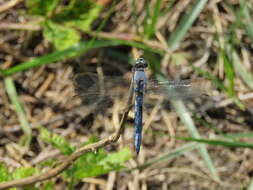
{"x": 9, "y": 5}
{"x": 129, "y": 37}
{"x": 65, "y": 163}
{"x": 20, "y": 26}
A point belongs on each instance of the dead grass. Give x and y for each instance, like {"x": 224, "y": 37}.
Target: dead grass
{"x": 48, "y": 94}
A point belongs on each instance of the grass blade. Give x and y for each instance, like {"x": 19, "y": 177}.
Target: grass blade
{"x": 248, "y": 24}
{"x": 250, "y": 185}
{"x": 238, "y": 135}
{"x": 171, "y": 155}
{"x": 186, "y": 22}
{"x": 241, "y": 70}
{"x": 232, "y": 144}
{"x": 72, "y": 52}
{"x": 218, "y": 83}
{"x": 12, "y": 93}
{"x": 59, "y": 55}
{"x": 173, "y": 43}
{"x": 149, "y": 28}
{"x": 189, "y": 124}
{"x": 229, "y": 72}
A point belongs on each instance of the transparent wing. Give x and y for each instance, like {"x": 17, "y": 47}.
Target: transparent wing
{"x": 180, "y": 89}
{"x": 193, "y": 91}
{"x": 100, "y": 91}
{"x": 97, "y": 91}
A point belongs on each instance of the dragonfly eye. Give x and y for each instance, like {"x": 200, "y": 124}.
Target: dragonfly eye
{"x": 141, "y": 63}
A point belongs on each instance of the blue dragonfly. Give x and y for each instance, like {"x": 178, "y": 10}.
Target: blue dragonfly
{"x": 99, "y": 91}
{"x": 140, "y": 85}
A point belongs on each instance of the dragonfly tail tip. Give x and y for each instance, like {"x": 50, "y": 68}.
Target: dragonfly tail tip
{"x": 137, "y": 151}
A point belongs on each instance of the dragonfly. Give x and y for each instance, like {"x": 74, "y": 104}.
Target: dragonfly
{"x": 100, "y": 92}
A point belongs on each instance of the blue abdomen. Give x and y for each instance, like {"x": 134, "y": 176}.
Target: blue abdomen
{"x": 138, "y": 116}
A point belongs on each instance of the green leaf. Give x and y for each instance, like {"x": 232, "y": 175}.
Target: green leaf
{"x": 79, "y": 14}
{"x": 30, "y": 187}
{"x": 85, "y": 20}
{"x": 47, "y": 163}
{"x": 4, "y": 174}
{"x": 56, "y": 141}
{"x": 116, "y": 158}
{"x": 41, "y": 7}
{"x": 20, "y": 173}
{"x": 49, "y": 185}
{"x": 61, "y": 36}
{"x": 97, "y": 163}
{"x": 92, "y": 139}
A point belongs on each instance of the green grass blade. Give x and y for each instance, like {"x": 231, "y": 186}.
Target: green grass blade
{"x": 72, "y": 52}
{"x": 219, "y": 132}
{"x": 238, "y": 135}
{"x": 186, "y": 22}
{"x": 248, "y": 24}
{"x": 149, "y": 28}
{"x": 232, "y": 144}
{"x": 135, "y": 16}
{"x": 12, "y": 93}
{"x": 189, "y": 124}
{"x": 60, "y": 55}
{"x": 215, "y": 80}
{"x": 203, "y": 122}
{"x": 250, "y": 185}
{"x": 169, "y": 156}
{"x": 241, "y": 70}
{"x": 219, "y": 85}
{"x": 168, "y": 8}
{"x": 2, "y": 73}
{"x": 229, "y": 72}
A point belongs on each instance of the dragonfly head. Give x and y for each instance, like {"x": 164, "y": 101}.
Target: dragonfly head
{"x": 140, "y": 63}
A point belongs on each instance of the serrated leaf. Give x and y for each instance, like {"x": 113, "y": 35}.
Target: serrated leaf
{"x": 41, "y": 7}
{"x": 56, "y": 141}
{"x": 60, "y": 36}
{"x": 85, "y": 20}
{"x": 48, "y": 186}
{"x": 116, "y": 158}
{"x": 80, "y": 14}
{"x": 20, "y": 173}
{"x": 94, "y": 164}
{"x": 4, "y": 174}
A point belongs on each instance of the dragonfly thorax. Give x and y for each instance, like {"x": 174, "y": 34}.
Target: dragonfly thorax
{"x": 140, "y": 64}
